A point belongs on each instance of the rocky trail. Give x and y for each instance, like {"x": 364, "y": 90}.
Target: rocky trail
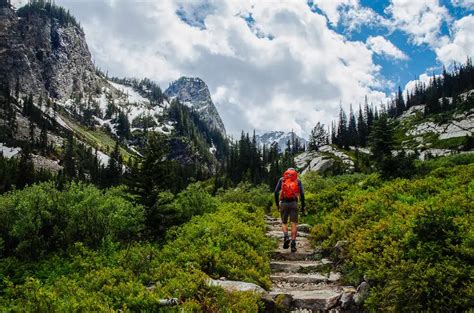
{"x": 303, "y": 281}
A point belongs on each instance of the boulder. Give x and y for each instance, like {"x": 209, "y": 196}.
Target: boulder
{"x": 362, "y": 293}
{"x": 233, "y": 285}
{"x": 347, "y": 297}
{"x": 341, "y": 248}
{"x": 304, "y": 228}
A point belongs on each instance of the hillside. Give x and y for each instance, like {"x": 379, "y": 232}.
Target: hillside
{"x": 54, "y": 89}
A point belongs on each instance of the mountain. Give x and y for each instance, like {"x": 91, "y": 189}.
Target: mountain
{"x": 279, "y": 137}
{"x": 51, "y": 89}
{"x": 44, "y": 51}
{"x": 194, "y": 93}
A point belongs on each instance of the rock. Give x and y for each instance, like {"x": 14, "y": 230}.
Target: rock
{"x": 317, "y": 300}
{"x": 305, "y": 278}
{"x": 279, "y": 234}
{"x": 283, "y": 301}
{"x": 341, "y": 248}
{"x": 304, "y": 228}
{"x": 347, "y": 297}
{"x": 232, "y": 285}
{"x": 45, "y": 55}
{"x": 362, "y": 293}
{"x": 297, "y": 266}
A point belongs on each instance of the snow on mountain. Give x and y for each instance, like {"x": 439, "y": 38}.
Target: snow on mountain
{"x": 9, "y": 152}
{"x": 279, "y": 137}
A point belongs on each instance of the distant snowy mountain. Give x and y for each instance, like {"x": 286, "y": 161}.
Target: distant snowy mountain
{"x": 279, "y": 137}
{"x": 194, "y": 93}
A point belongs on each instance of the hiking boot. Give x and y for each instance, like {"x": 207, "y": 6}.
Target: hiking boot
{"x": 293, "y": 246}
{"x": 286, "y": 242}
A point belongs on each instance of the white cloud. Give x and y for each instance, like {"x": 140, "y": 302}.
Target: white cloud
{"x": 290, "y": 82}
{"x": 421, "y": 20}
{"x": 332, "y": 8}
{"x": 410, "y": 86}
{"x": 466, "y": 4}
{"x": 461, "y": 45}
{"x": 384, "y": 47}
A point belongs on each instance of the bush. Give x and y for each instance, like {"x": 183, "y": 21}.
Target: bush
{"x": 41, "y": 219}
{"x": 170, "y": 210}
{"x": 230, "y": 242}
{"x": 247, "y": 193}
{"x": 412, "y": 239}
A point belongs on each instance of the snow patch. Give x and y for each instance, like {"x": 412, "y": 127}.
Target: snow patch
{"x": 9, "y": 152}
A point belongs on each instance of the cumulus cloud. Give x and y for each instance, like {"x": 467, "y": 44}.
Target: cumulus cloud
{"x": 421, "y": 20}
{"x": 461, "y": 45}
{"x": 384, "y": 47}
{"x": 423, "y": 79}
{"x": 269, "y": 65}
{"x": 466, "y": 4}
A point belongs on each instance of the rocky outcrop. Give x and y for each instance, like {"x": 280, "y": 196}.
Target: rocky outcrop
{"x": 461, "y": 125}
{"x": 322, "y": 160}
{"x": 194, "y": 93}
{"x": 40, "y": 55}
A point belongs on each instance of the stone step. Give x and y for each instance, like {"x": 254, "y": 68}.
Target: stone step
{"x": 279, "y": 234}
{"x": 298, "y": 266}
{"x": 313, "y": 278}
{"x": 315, "y": 300}
{"x": 295, "y": 256}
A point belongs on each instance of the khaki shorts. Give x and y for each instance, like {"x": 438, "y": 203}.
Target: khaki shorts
{"x": 289, "y": 209}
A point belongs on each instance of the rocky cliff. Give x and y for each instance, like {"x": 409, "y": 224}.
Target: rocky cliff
{"x": 194, "y": 93}
{"x": 45, "y": 55}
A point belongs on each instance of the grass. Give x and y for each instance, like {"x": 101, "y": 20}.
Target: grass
{"x": 97, "y": 138}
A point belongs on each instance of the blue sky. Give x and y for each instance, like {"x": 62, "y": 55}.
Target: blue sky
{"x": 279, "y": 64}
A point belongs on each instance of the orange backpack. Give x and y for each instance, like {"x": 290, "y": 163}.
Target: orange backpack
{"x": 289, "y": 186}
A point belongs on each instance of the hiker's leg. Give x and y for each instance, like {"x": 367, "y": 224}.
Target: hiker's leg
{"x": 294, "y": 220}
{"x": 294, "y": 230}
{"x": 284, "y": 213}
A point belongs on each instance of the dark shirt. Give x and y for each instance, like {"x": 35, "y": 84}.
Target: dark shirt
{"x": 278, "y": 189}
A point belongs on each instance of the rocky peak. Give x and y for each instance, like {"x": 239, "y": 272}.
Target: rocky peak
{"x": 193, "y": 92}
{"x": 279, "y": 137}
{"x": 43, "y": 53}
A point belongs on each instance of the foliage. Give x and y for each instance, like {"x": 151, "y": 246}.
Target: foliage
{"x": 230, "y": 242}
{"x": 170, "y": 210}
{"x": 411, "y": 239}
{"x": 318, "y": 137}
{"x": 246, "y": 193}
{"x": 50, "y": 9}
{"x": 41, "y": 219}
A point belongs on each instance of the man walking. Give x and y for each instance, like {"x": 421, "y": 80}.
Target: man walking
{"x": 287, "y": 191}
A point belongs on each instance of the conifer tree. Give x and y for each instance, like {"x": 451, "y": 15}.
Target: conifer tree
{"x": 318, "y": 137}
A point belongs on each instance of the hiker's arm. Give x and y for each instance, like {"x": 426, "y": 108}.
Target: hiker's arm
{"x": 300, "y": 185}
{"x": 277, "y": 193}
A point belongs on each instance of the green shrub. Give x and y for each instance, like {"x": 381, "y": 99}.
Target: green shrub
{"x": 412, "y": 239}
{"x": 170, "y": 210}
{"x": 247, "y": 193}
{"x": 41, "y": 219}
{"x": 229, "y": 242}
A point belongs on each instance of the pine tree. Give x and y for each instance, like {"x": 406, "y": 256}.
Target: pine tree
{"x": 318, "y": 137}
{"x": 352, "y": 129}
{"x": 341, "y": 137}
{"x": 362, "y": 130}
{"x": 69, "y": 158}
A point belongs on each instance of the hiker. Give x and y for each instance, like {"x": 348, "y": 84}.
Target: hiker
{"x": 287, "y": 203}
